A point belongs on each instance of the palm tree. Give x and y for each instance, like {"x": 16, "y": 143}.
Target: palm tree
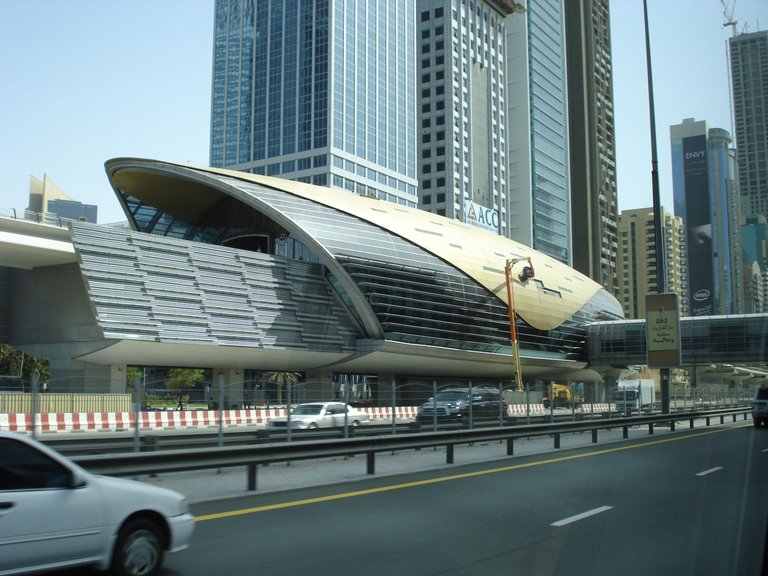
{"x": 282, "y": 379}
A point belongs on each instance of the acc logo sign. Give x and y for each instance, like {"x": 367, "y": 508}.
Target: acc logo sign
{"x": 701, "y": 295}
{"x": 481, "y": 216}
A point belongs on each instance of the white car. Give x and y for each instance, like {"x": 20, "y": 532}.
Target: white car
{"x": 54, "y": 515}
{"x": 320, "y": 415}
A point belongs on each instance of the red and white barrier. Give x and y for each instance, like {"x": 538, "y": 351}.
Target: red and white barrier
{"x": 598, "y": 408}
{"x": 202, "y": 419}
{"x": 522, "y": 409}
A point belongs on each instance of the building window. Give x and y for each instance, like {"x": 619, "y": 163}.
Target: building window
{"x": 320, "y": 160}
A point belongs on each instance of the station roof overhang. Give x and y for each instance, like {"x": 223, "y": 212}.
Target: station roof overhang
{"x": 372, "y": 357}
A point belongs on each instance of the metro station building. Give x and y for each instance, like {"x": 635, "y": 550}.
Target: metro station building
{"x": 239, "y": 272}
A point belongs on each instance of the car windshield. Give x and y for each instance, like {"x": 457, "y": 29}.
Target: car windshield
{"x": 307, "y": 410}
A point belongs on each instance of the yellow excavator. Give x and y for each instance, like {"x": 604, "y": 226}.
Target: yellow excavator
{"x": 561, "y": 396}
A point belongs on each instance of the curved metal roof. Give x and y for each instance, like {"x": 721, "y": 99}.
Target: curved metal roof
{"x": 555, "y": 294}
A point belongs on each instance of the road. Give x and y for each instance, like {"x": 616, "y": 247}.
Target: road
{"x": 690, "y": 502}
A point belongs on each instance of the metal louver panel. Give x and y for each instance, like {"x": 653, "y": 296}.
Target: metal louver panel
{"x": 162, "y": 289}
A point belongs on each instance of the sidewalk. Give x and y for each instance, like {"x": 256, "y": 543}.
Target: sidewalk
{"x": 205, "y": 485}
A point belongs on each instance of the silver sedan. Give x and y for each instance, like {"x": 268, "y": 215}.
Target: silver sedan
{"x": 320, "y": 415}
{"x": 55, "y": 515}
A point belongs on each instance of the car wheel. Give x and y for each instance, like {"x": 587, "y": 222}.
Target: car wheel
{"x": 312, "y": 426}
{"x": 355, "y": 423}
{"x": 139, "y": 549}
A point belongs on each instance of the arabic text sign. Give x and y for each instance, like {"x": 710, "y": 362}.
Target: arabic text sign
{"x": 663, "y": 329}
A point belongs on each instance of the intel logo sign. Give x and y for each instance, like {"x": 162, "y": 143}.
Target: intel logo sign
{"x": 701, "y": 295}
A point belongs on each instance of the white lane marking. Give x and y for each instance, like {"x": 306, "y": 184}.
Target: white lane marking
{"x": 766, "y": 450}
{"x": 581, "y": 516}
{"x": 705, "y": 472}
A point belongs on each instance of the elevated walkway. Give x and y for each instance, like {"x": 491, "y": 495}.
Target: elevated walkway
{"x": 705, "y": 340}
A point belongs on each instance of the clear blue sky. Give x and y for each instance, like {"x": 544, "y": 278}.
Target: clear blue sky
{"x": 88, "y": 80}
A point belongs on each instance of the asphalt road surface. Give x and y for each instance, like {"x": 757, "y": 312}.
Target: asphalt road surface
{"x": 689, "y": 502}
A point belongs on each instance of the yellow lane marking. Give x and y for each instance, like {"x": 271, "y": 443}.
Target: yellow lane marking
{"x": 391, "y": 487}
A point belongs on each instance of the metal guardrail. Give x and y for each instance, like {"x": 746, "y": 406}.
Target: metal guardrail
{"x": 144, "y": 463}
{"x": 72, "y": 445}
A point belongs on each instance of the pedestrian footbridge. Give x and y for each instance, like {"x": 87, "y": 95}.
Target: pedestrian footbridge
{"x": 704, "y": 340}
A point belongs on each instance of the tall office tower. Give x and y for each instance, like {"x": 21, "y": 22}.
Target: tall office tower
{"x": 705, "y": 198}
{"x": 749, "y": 81}
{"x": 638, "y": 259}
{"x": 320, "y": 91}
{"x": 754, "y": 250}
{"x": 537, "y": 113}
{"x": 462, "y": 119}
{"x": 594, "y": 201}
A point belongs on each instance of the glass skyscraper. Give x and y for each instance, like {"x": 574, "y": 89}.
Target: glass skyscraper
{"x": 703, "y": 178}
{"x": 540, "y": 204}
{"x": 749, "y": 79}
{"x": 320, "y": 91}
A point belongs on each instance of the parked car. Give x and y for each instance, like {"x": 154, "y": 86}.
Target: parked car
{"x": 454, "y": 404}
{"x": 320, "y": 415}
{"x": 760, "y": 407}
{"x": 56, "y": 515}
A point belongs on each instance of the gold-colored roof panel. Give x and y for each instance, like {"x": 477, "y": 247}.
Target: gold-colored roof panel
{"x": 545, "y": 302}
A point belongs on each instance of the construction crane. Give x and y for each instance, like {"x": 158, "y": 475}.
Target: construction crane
{"x": 728, "y": 15}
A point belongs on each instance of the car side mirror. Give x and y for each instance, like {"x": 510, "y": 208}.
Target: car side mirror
{"x": 76, "y": 480}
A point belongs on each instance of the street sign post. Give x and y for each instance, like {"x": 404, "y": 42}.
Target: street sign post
{"x": 662, "y": 319}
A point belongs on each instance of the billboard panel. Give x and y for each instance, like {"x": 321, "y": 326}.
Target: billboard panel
{"x": 698, "y": 223}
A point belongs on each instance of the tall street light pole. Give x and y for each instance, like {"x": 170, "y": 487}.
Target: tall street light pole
{"x": 661, "y": 281}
